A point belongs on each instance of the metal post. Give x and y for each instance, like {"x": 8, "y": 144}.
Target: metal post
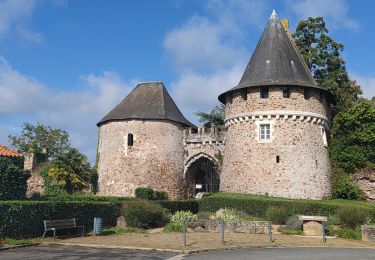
{"x": 222, "y": 227}
{"x": 270, "y": 231}
{"x": 184, "y": 232}
{"x": 324, "y": 232}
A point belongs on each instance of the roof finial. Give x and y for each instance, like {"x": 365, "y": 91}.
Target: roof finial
{"x": 273, "y": 15}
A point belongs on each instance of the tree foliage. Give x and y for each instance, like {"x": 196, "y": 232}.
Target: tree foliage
{"x": 71, "y": 171}
{"x": 353, "y": 145}
{"x": 322, "y": 55}
{"x": 215, "y": 118}
{"x": 44, "y": 141}
{"x": 13, "y": 179}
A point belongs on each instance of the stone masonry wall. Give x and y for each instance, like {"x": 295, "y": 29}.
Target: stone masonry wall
{"x": 156, "y": 159}
{"x": 250, "y": 166}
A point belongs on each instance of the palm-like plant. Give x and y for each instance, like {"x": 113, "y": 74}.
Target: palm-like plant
{"x": 215, "y": 118}
{"x": 71, "y": 171}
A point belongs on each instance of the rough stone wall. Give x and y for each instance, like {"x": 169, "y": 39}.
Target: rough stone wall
{"x": 250, "y": 166}
{"x": 365, "y": 179}
{"x": 156, "y": 159}
{"x": 35, "y": 184}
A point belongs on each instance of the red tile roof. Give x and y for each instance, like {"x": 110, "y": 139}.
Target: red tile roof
{"x": 6, "y": 152}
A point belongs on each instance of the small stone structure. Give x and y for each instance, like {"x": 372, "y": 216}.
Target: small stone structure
{"x": 35, "y": 184}
{"x": 313, "y": 225}
{"x": 368, "y": 233}
{"x": 235, "y": 226}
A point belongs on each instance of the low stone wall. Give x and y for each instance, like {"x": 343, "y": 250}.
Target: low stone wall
{"x": 368, "y": 233}
{"x": 236, "y": 226}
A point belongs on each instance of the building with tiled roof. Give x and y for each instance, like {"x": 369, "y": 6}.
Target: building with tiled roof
{"x": 7, "y": 152}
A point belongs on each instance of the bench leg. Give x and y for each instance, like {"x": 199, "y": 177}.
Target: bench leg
{"x": 83, "y": 231}
{"x": 44, "y": 234}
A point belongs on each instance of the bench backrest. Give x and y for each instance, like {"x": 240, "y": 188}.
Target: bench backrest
{"x": 60, "y": 223}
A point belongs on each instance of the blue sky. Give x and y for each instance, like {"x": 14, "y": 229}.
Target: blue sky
{"x": 68, "y": 63}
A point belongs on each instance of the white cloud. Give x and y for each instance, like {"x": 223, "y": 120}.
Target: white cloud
{"x": 334, "y": 11}
{"x": 13, "y": 11}
{"x": 24, "y": 99}
{"x": 366, "y": 82}
{"x": 30, "y": 36}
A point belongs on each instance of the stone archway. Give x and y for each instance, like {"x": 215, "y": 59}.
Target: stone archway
{"x": 201, "y": 174}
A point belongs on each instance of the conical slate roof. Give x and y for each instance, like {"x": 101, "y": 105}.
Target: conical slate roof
{"x": 149, "y": 100}
{"x": 275, "y": 61}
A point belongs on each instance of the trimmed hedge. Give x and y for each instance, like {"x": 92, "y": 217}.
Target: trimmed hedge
{"x": 83, "y": 198}
{"x": 25, "y": 218}
{"x": 180, "y": 205}
{"x": 258, "y": 205}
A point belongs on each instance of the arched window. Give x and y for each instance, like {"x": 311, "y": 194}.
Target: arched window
{"x": 130, "y": 139}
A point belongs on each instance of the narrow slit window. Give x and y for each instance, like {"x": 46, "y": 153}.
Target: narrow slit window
{"x": 286, "y": 93}
{"x": 265, "y": 132}
{"x": 244, "y": 94}
{"x": 264, "y": 92}
{"x": 130, "y": 140}
{"x": 277, "y": 159}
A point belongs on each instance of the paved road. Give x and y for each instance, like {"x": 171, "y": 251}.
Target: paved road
{"x": 78, "y": 253}
{"x": 288, "y": 254}
{"x": 71, "y": 252}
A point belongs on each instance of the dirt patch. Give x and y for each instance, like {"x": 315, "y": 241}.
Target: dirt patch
{"x": 199, "y": 241}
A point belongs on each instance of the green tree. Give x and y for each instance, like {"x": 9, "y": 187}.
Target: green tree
{"x": 215, "y": 118}
{"x": 71, "y": 171}
{"x": 322, "y": 55}
{"x": 353, "y": 145}
{"x": 44, "y": 141}
{"x": 13, "y": 179}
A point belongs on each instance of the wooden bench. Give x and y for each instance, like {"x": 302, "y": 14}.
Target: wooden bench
{"x": 53, "y": 225}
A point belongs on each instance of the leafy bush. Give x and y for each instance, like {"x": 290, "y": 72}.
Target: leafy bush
{"x": 181, "y": 216}
{"x": 343, "y": 188}
{"x": 350, "y": 233}
{"x": 161, "y": 195}
{"x": 172, "y": 227}
{"x": 277, "y": 215}
{"x": 13, "y": 179}
{"x": 144, "y": 193}
{"x": 351, "y": 217}
{"x": 286, "y": 231}
{"x": 144, "y": 214}
{"x": 294, "y": 223}
{"x": 25, "y": 218}
{"x": 225, "y": 214}
{"x": 180, "y": 205}
{"x": 50, "y": 189}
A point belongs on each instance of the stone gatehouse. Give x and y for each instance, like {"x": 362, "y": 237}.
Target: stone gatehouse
{"x": 277, "y": 121}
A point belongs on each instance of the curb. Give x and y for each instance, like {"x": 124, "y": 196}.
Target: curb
{"x": 18, "y": 246}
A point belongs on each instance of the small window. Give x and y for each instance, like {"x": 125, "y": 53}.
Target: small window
{"x": 130, "y": 139}
{"x": 277, "y": 159}
{"x": 286, "y": 93}
{"x": 244, "y": 94}
{"x": 324, "y": 136}
{"x": 265, "y": 132}
{"x": 264, "y": 92}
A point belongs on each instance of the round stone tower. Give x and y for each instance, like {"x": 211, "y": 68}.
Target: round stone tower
{"x": 141, "y": 144}
{"x": 277, "y": 121}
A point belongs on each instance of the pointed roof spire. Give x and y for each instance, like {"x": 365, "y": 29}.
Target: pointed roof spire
{"x": 147, "y": 101}
{"x": 276, "y": 61}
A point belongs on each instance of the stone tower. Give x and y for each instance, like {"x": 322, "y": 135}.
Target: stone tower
{"x": 141, "y": 144}
{"x": 277, "y": 121}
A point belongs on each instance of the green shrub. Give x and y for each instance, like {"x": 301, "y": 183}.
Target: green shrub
{"x": 286, "y": 231}
{"x": 293, "y": 223}
{"x": 350, "y": 233}
{"x": 225, "y": 214}
{"x": 351, "y": 217}
{"x": 343, "y": 188}
{"x": 144, "y": 214}
{"x": 172, "y": 227}
{"x": 50, "y": 189}
{"x": 180, "y": 205}
{"x": 144, "y": 193}
{"x": 181, "y": 216}
{"x": 161, "y": 195}
{"x": 13, "y": 179}
{"x": 24, "y": 219}
{"x": 277, "y": 215}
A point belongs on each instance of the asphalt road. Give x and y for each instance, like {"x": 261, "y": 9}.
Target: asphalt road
{"x": 288, "y": 254}
{"x": 71, "y": 252}
{"x": 78, "y": 253}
